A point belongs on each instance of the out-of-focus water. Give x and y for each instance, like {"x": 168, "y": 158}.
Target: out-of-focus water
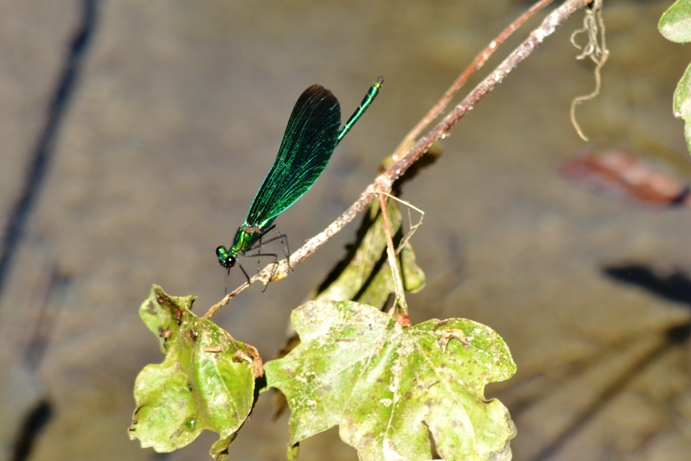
{"x": 178, "y": 116}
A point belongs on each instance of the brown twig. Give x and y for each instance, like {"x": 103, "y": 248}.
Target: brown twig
{"x": 477, "y": 63}
{"x": 384, "y": 181}
{"x": 391, "y": 254}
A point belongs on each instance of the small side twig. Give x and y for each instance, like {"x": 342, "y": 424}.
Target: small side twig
{"x": 413, "y": 227}
{"x": 384, "y": 181}
{"x": 391, "y": 254}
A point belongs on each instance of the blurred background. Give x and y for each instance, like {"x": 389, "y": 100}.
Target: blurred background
{"x": 133, "y": 136}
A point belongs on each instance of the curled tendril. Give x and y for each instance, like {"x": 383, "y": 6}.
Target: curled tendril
{"x": 595, "y": 49}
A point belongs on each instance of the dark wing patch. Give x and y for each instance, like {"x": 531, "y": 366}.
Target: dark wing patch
{"x": 309, "y": 140}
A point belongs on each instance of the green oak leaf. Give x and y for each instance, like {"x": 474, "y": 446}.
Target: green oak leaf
{"x": 206, "y": 380}
{"x": 682, "y": 103}
{"x": 675, "y": 23}
{"x": 395, "y": 391}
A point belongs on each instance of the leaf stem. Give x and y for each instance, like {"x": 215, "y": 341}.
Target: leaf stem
{"x": 391, "y": 253}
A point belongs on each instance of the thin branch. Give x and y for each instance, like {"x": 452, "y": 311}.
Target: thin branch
{"x": 384, "y": 181}
{"x": 477, "y": 63}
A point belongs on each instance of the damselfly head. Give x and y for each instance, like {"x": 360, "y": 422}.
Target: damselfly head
{"x": 225, "y": 257}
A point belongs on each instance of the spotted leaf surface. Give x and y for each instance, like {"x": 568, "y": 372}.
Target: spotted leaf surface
{"x": 206, "y": 380}
{"x": 397, "y": 392}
